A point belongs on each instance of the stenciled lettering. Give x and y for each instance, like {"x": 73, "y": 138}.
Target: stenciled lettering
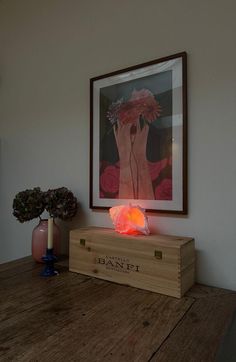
{"x": 100, "y": 260}
{"x": 120, "y": 264}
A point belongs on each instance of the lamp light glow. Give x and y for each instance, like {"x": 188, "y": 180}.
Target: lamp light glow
{"x": 129, "y": 219}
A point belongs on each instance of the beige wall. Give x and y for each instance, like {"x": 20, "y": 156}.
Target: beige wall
{"x": 49, "y": 50}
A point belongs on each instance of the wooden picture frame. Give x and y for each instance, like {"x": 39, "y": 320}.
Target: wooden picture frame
{"x": 138, "y": 136}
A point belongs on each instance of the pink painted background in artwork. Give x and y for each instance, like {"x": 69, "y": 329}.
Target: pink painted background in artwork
{"x": 109, "y": 180}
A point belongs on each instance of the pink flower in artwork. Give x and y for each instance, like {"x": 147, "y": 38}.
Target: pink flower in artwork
{"x": 142, "y": 102}
{"x": 150, "y": 108}
{"x": 164, "y": 190}
{"x": 128, "y": 113}
{"x": 156, "y": 167}
{"x": 109, "y": 179}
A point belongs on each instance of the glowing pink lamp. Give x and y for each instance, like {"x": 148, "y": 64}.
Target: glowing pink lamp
{"x": 128, "y": 219}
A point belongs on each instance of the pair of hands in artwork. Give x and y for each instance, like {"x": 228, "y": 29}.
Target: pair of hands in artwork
{"x": 135, "y": 181}
{"x": 128, "y": 142}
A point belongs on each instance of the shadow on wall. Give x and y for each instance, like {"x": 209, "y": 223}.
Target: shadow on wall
{"x": 208, "y": 274}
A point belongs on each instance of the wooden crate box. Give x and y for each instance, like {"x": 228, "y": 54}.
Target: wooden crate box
{"x": 159, "y": 263}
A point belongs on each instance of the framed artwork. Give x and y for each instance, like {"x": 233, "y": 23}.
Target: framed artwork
{"x": 138, "y": 136}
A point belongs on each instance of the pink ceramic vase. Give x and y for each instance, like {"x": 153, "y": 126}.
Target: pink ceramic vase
{"x": 40, "y": 238}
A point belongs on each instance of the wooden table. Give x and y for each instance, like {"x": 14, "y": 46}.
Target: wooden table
{"x": 72, "y": 317}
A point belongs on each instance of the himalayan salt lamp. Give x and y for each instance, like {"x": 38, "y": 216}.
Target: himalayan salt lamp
{"x": 129, "y": 219}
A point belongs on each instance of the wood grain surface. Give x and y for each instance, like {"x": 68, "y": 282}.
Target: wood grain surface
{"x": 132, "y": 260}
{"x": 73, "y": 317}
{"x": 200, "y": 332}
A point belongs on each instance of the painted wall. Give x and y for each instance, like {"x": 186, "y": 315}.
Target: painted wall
{"x": 49, "y": 50}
